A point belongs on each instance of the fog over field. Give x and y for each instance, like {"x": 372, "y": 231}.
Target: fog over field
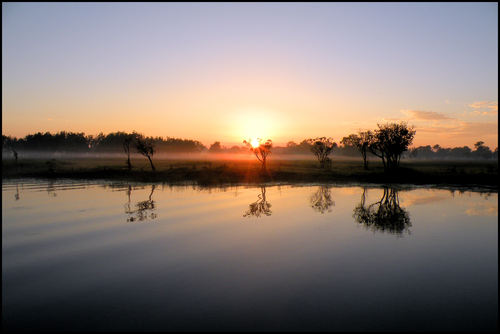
{"x": 203, "y": 156}
{"x": 208, "y": 156}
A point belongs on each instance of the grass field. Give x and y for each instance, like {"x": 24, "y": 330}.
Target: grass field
{"x": 214, "y": 172}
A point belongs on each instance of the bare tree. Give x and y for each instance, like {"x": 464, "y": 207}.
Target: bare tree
{"x": 362, "y": 141}
{"x": 261, "y": 150}
{"x": 145, "y": 147}
{"x": 322, "y": 147}
{"x": 126, "y": 147}
{"x": 15, "y": 154}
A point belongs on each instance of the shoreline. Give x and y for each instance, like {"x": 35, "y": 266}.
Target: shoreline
{"x": 398, "y": 186}
{"x": 443, "y": 175}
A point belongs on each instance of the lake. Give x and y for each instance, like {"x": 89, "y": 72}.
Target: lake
{"x": 87, "y": 255}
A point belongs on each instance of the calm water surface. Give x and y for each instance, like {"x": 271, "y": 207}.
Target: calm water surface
{"x": 100, "y": 256}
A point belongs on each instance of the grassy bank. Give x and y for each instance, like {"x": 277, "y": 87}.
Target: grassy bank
{"x": 464, "y": 173}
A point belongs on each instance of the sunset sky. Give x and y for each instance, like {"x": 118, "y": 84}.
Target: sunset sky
{"x": 232, "y": 71}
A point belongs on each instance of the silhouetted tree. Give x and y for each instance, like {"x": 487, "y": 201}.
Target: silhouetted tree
{"x": 322, "y": 147}
{"x": 384, "y": 215}
{"x": 259, "y": 207}
{"x": 127, "y": 141}
{"x": 9, "y": 144}
{"x": 390, "y": 141}
{"x": 59, "y": 142}
{"x": 438, "y": 152}
{"x": 424, "y": 152}
{"x": 261, "y": 151}
{"x": 294, "y": 148}
{"x": 460, "y": 152}
{"x": 321, "y": 201}
{"x": 481, "y": 151}
{"x": 237, "y": 149}
{"x": 145, "y": 147}
{"x": 5, "y": 141}
{"x": 304, "y": 146}
{"x": 361, "y": 141}
{"x": 215, "y": 147}
{"x": 178, "y": 145}
{"x": 113, "y": 142}
{"x": 14, "y": 152}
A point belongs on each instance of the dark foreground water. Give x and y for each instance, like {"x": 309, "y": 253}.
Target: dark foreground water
{"x": 100, "y": 256}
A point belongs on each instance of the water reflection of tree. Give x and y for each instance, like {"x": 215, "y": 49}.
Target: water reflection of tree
{"x": 143, "y": 210}
{"x": 385, "y": 215}
{"x": 321, "y": 201}
{"x": 51, "y": 190}
{"x": 16, "y": 195}
{"x": 259, "y": 207}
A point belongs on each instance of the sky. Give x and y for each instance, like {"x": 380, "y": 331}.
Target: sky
{"x": 233, "y": 71}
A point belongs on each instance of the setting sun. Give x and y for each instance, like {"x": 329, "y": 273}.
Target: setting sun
{"x": 255, "y": 143}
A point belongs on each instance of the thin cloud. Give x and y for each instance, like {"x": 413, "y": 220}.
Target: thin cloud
{"x": 425, "y": 115}
{"x": 484, "y": 107}
{"x": 462, "y": 128}
{"x": 385, "y": 120}
{"x": 460, "y": 132}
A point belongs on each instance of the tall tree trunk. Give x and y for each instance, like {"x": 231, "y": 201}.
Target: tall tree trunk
{"x": 129, "y": 164}
{"x": 14, "y": 152}
{"x": 151, "y": 162}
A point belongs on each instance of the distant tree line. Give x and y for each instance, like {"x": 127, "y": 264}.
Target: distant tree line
{"x": 79, "y": 142}
{"x": 441, "y": 153}
{"x": 361, "y": 144}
